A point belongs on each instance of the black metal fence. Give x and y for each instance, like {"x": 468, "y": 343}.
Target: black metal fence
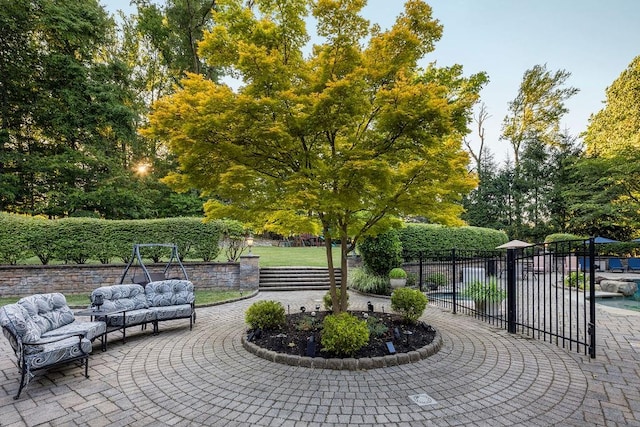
{"x": 546, "y": 291}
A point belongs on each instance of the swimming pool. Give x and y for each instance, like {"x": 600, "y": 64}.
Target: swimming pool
{"x": 627, "y": 303}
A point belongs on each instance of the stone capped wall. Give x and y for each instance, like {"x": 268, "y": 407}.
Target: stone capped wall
{"x": 21, "y": 280}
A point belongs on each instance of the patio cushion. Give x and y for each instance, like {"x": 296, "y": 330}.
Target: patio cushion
{"x": 132, "y": 317}
{"x": 46, "y": 354}
{"x": 47, "y": 311}
{"x": 90, "y": 330}
{"x": 172, "y": 311}
{"x": 169, "y": 292}
{"x": 124, "y": 297}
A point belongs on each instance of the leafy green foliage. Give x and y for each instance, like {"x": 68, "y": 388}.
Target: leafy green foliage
{"x": 377, "y": 328}
{"x": 435, "y": 280}
{"x": 368, "y": 283}
{"x": 434, "y": 238}
{"x": 397, "y": 273}
{"x": 344, "y": 334}
{"x": 488, "y": 291}
{"x": 342, "y": 142}
{"x": 577, "y": 279}
{"x": 410, "y": 303}
{"x": 308, "y": 323}
{"x": 14, "y": 238}
{"x": 80, "y": 239}
{"x": 381, "y": 253}
{"x": 265, "y": 315}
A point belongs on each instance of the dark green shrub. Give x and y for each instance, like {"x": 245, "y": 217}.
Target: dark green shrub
{"x": 344, "y": 334}
{"x": 381, "y": 253}
{"x": 328, "y": 303}
{"x": 265, "y": 315}
{"x": 435, "y": 280}
{"x": 376, "y": 327}
{"x": 14, "y": 238}
{"x": 410, "y": 303}
{"x": 412, "y": 280}
{"x": 368, "y": 283}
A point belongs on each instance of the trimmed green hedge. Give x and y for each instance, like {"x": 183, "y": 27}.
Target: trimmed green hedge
{"x": 77, "y": 240}
{"x": 433, "y": 238}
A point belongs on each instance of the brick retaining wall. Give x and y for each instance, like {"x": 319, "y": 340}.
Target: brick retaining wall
{"x": 20, "y": 280}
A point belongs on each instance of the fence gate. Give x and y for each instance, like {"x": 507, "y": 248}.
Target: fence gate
{"x": 549, "y": 289}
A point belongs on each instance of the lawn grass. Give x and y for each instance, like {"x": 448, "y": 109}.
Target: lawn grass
{"x": 203, "y": 297}
{"x": 270, "y": 256}
{"x": 274, "y": 256}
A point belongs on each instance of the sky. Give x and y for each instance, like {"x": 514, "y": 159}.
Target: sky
{"x": 594, "y": 40}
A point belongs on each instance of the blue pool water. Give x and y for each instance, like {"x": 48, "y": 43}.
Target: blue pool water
{"x": 627, "y": 303}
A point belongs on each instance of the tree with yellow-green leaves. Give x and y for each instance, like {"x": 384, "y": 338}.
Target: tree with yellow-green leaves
{"x": 343, "y": 141}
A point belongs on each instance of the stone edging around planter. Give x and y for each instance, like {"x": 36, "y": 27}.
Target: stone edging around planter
{"x": 351, "y": 364}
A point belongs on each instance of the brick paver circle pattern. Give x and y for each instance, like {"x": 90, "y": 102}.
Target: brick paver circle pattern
{"x": 480, "y": 376}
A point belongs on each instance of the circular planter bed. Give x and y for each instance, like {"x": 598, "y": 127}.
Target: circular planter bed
{"x": 291, "y": 344}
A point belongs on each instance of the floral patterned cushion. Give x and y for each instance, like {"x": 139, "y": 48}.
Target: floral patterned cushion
{"x": 15, "y": 319}
{"x": 124, "y": 297}
{"x": 169, "y": 292}
{"x": 47, "y": 311}
{"x": 48, "y": 353}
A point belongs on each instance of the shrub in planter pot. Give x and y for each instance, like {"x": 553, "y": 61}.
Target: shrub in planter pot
{"x": 397, "y": 278}
{"x": 487, "y": 295}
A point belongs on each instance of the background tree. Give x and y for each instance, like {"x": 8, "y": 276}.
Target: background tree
{"x": 343, "y": 142}
{"x": 69, "y": 112}
{"x": 532, "y": 127}
{"x": 612, "y": 160}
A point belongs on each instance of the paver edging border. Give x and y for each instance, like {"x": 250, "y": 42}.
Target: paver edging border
{"x": 351, "y": 364}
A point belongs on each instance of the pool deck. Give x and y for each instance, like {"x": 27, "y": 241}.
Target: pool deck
{"x": 482, "y": 376}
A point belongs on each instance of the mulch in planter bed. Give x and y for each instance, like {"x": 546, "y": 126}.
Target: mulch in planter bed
{"x": 293, "y": 337}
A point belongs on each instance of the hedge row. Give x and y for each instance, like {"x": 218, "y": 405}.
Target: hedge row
{"x": 382, "y": 253}
{"x": 433, "y": 238}
{"x": 78, "y": 240}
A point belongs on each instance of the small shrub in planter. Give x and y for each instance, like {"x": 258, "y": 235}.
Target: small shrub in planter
{"x": 265, "y": 315}
{"x": 397, "y": 278}
{"x": 344, "y": 334}
{"x": 410, "y": 303}
{"x": 328, "y": 303}
{"x": 397, "y": 273}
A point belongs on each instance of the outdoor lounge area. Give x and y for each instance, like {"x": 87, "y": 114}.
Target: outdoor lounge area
{"x": 45, "y": 333}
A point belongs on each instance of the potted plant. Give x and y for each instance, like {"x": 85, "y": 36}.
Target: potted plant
{"x": 487, "y": 296}
{"x": 397, "y": 278}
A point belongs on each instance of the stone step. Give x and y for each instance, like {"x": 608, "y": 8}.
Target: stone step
{"x": 296, "y": 278}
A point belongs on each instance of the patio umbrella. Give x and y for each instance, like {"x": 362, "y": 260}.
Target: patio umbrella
{"x": 514, "y": 244}
{"x": 599, "y": 240}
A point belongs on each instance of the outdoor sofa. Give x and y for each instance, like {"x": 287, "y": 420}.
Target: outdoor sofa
{"x": 44, "y": 332}
{"x": 134, "y": 305}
